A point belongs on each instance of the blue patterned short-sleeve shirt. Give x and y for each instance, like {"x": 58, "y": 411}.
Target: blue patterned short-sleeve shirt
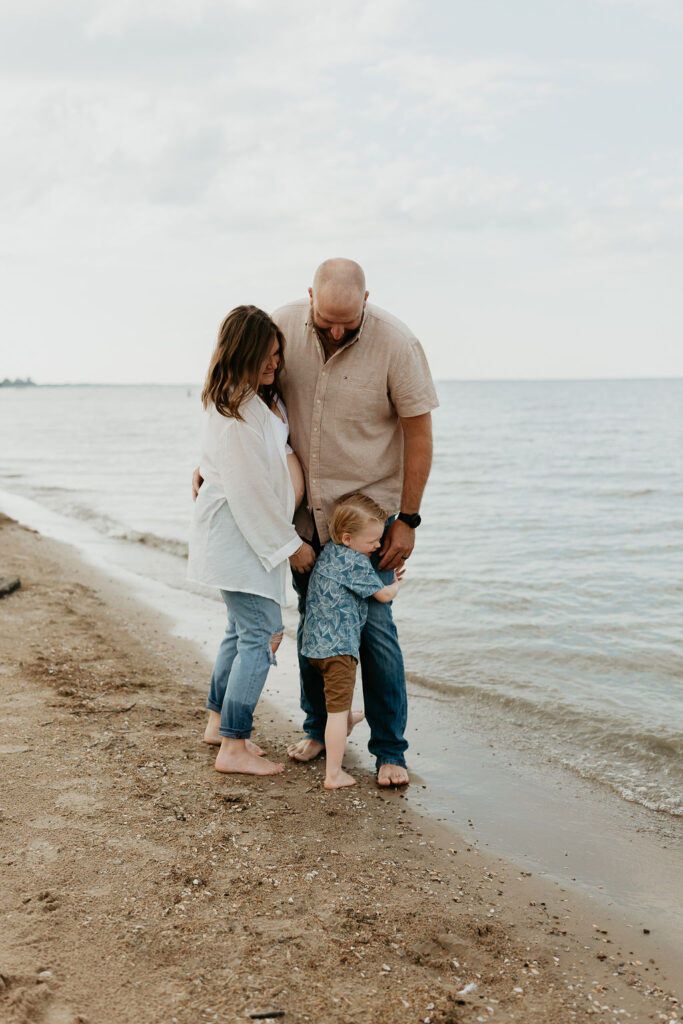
{"x": 337, "y": 602}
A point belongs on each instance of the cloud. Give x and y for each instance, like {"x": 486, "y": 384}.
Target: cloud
{"x": 668, "y": 11}
{"x": 233, "y": 141}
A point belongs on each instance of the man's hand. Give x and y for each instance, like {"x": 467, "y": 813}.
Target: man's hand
{"x": 197, "y": 481}
{"x": 303, "y": 560}
{"x": 397, "y": 546}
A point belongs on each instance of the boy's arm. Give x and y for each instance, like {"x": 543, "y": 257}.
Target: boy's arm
{"x": 389, "y": 592}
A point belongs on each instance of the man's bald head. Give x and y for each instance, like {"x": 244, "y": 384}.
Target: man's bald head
{"x": 339, "y": 279}
{"x": 338, "y": 298}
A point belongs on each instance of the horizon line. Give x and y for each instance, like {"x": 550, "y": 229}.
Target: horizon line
{"x": 437, "y": 380}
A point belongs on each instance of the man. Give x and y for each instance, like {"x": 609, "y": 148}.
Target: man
{"x": 359, "y": 396}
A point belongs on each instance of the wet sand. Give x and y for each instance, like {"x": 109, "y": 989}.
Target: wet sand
{"x": 141, "y": 885}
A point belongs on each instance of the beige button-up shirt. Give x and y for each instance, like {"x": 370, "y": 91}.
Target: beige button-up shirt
{"x": 344, "y": 413}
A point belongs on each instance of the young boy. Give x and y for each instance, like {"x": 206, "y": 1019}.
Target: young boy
{"x": 341, "y": 583}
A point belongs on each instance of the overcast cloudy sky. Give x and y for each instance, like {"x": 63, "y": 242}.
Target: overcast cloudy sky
{"x": 509, "y": 174}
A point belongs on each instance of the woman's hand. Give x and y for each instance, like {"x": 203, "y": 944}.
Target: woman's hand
{"x": 303, "y": 559}
{"x": 197, "y": 481}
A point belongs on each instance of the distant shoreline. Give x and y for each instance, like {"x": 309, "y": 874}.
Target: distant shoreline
{"x": 18, "y": 382}
{"x": 440, "y": 380}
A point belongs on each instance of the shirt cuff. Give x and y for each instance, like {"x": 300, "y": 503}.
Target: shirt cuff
{"x": 272, "y": 561}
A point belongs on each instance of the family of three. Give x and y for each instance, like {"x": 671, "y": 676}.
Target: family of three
{"x": 315, "y": 454}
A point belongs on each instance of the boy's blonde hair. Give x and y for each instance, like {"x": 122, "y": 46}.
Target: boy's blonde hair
{"x": 351, "y": 514}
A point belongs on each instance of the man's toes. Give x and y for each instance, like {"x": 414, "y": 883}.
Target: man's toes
{"x": 392, "y": 775}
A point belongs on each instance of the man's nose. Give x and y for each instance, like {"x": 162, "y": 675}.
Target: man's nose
{"x": 337, "y": 332}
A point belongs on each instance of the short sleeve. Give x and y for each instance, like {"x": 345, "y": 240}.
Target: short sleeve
{"x": 411, "y": 387}
{"x": 361, "y": 578}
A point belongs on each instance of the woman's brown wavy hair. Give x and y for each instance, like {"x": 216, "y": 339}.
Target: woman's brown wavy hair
{"x": 244, "y": 342}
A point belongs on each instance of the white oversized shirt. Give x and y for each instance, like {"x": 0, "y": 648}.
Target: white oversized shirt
{"x": 241, "y": 533}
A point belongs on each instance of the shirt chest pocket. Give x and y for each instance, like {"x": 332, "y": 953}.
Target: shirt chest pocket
{"x": 360, "y": 399}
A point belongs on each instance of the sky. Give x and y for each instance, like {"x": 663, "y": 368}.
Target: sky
{"x": 510, "y": 176}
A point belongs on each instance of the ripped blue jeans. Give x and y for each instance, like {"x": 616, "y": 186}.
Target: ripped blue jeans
{"x": 243, "y": 660}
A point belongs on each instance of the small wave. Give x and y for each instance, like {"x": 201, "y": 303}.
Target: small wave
{"x": 642, "y": 493}
{"x": 168, "y": 544}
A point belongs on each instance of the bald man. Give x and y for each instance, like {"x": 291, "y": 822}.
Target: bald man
{"x": 359, "y": 397}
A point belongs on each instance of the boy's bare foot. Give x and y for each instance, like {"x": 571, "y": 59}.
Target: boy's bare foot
{"x": 338, "y": 780}
{"x": 305, "y": 750}
{"x": 392, "y": 775}
{"x": 354, "y": 718}
{"x": 245, "y": 763}
{"x": 213, "y": 737}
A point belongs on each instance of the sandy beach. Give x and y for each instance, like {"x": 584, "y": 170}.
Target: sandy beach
{"x": 142, "y": 886}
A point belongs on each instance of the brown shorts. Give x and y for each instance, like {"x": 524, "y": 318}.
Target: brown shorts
{"x": 339, "y": 676}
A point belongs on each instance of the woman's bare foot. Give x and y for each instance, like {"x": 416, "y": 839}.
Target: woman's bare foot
{"x": 234, "y": 756}
{"x": 213, "y": 737}
{"x": 354, "y": 718}
{"x": 305, "y": 750}
{"x": 339, "y": 779}
{"x": 392, "y": 775}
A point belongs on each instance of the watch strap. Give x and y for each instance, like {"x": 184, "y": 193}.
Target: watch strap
{"x": 412, "y": 519}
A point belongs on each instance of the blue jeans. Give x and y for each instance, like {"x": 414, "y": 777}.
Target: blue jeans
{"x": 384, "y": 681}
{"x": 243, "y": 660}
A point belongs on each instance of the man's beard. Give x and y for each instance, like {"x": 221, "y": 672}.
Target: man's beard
{"x": 328, "y": 341}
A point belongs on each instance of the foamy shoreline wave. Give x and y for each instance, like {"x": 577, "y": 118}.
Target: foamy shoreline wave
{"x": 640, "y": 766}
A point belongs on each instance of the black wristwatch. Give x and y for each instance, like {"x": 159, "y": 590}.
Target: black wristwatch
{"x": 411, "y": 519}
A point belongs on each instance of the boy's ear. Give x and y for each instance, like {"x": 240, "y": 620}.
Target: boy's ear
{"x": 346, "y": 539}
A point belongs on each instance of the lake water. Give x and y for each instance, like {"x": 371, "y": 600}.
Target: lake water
{"x": 546, "y": 588}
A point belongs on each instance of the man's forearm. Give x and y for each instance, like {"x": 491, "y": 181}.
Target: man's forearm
{"x": 417, "y": 460}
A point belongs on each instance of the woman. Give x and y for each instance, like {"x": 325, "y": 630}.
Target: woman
{"x": 242, "y": 537}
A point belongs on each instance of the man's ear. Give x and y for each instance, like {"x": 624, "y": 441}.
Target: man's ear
{"x": 310, "y": 293}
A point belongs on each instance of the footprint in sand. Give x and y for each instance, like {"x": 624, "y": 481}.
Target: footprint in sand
{"x": 81, "y": 803}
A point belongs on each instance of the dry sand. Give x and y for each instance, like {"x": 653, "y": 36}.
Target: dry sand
{"x": 141, "y": 886}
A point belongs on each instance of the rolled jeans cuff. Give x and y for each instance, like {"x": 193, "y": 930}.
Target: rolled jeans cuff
{"x": 399, "y": 761}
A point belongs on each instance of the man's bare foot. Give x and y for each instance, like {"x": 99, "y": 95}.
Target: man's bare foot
{"x": 242, "y": 762}
{"x": 338, "y": 780}
{"x": 392, "y": 775}
{"x": 305, "y": 750}
{"x": 213, "y": 737}
{"x": 354, "y": 718}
